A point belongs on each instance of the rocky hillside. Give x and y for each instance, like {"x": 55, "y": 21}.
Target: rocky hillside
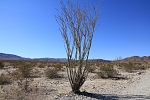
{"x": 4, "y": 56}
{"x": 136, "y": 59}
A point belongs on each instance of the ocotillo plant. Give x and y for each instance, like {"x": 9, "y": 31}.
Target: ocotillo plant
{"x": 77, "y": 26}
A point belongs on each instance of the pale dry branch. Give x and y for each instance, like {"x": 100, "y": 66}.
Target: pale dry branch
{"x": 77, "y": 25}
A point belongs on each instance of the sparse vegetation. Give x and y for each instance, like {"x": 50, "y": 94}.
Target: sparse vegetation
{"x": 131, "y": 67}
{"x": 51, "y": 73}
{"x": 25, "y": 70}
{"x": 22, "y": 76}
{"x": 40, "y": 65}
{"x": 58, "y": 66}
{"x": 92, "y": 69}
{"x": 107, "y": 71}
{"x": 35, "y": 73}
{"x": 23, "y": 80}
{"x": 1, "y": 65}
{"x": 4, "y": 79}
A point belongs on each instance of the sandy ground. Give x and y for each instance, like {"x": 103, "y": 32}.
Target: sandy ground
{"x": 136, "y": 87}
{"x": 140, "y": 86}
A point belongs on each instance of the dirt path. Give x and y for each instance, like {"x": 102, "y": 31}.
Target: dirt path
{"x": 141, "y": 86}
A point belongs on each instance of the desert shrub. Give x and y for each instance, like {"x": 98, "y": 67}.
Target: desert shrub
{"x": 17, "y": 63}
{"x": 141, "y": 67}
{"x": 6, "y": 64}
{"x": 107, "y": 71}
{"x": 4, "y": 79}
{"x": 40, "y": 65}
{"x": 131, "y": 67}
{"x": 51, "y": 73}
{"x": 58, "y": 66}
{"x": 1, "y": 65}
{"x": 23, "y": 82}
{"x": 16, "y": 75}
{"x": 91, "y": 69}
{"x": 35, "y": 73}
{"x": 25, "y": 70}
{"x": 24, "y": 73}
{"x": 128, "y": 67}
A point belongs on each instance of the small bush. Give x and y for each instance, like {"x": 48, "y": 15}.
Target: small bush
{"x": 35, "y": 73}
{"x": 107, "y": 71}
{"x": 25, "y": 73}
{"x": 51, "y": 73}
{"x": 1, "y": 65}
{"x": 23, "y": 82}
{"x": 58, "y": 66}
{"x": 131, "y": 67}
{"x": 25, "y": 70}
{"x": 141, "y": 67}
{"x": 91, "y": 69}
{"x": 16, "y": 75}
{"x": 4, "y": 79}
{"x": 41, "y": 66}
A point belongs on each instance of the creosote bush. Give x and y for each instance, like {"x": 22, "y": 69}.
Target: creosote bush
{"x": 16, "y": 75}
{"x": 25, "y": 70}
{"x": 35, "y": 73}
{"x": 51, "y": 73}
{"x": 58, "y": 66}
{"x": 92, "y": 69}
{"x": 4, "y": 79}
{"x": 40, "y": 65}
{"x": 1, "y": 65}
{"x": 23, "y": 76}
{"x": 131, "y": 67}
{"x": 107, "y": 71}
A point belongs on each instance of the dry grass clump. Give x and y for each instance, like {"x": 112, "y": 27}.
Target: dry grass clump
{"x": 107, "y": 71}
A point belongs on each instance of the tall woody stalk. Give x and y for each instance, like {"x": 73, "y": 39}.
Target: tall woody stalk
{"x": 77, "y": 25}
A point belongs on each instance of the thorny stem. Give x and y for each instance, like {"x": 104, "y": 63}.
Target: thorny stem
{"x": 77, "y": 23}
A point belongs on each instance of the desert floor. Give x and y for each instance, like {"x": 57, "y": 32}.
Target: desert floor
{"x": 136, "y": 86}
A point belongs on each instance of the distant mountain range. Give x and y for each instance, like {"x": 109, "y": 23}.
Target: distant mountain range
{"x": 4, "y": 56}
{"x": 136, "y": 59}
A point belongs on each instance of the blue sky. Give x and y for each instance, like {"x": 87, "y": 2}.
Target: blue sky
{"x": 28, "y": 28}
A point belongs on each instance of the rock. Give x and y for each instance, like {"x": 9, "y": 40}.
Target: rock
{"x": 138, "y": 73}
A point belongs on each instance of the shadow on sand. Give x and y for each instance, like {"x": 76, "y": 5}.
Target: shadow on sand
{"x": 113, "y": 96}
